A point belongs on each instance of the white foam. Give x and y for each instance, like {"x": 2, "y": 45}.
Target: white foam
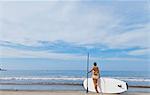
{"x": 134, "y": 79}
{"x": 39, "y": 78}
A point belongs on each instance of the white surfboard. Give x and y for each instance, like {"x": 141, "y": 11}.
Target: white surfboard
{"x": 106, "y": 85}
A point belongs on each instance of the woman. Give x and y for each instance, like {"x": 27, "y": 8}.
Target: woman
{"x": 95, "y": 75}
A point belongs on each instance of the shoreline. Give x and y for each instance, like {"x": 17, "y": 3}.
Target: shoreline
{"x": 73, "y": 84}
{"x": 32, "y": 92}
{"x": 130, "y": 90}
{"x": 132, "y": 86}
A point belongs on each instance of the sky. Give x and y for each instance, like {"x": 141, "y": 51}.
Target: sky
{"x": 57, "y": 35}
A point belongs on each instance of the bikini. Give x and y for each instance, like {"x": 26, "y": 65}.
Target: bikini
{"x": 95, "y": 74}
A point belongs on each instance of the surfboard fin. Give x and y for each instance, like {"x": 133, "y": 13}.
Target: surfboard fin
{"x": 127, "y": 86}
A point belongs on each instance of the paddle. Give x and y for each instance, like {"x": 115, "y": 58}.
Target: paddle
{"x": 87, "y": 71}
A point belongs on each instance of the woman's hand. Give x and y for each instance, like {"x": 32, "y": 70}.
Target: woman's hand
{"x": 90, "y": 71}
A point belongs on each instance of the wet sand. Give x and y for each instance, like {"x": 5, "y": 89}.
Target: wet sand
{"x": 63, "y": 93}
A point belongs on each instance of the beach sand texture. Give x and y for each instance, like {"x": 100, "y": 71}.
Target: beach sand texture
{"x": 63, "y": 93}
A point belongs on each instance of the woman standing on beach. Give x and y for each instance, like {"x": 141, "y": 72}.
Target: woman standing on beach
{"x": 95, "y": 75}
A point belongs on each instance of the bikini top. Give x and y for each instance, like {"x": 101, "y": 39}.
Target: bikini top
{"x": 95, "y": 71}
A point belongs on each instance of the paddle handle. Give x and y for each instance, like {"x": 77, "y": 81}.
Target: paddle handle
{"x": 87, "y": 72}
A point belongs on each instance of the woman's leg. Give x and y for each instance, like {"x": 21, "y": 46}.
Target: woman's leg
{"x": 99, "y": 85}
{"x": 95, "y": 84}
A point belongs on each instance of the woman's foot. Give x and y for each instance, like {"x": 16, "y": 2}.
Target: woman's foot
{"x": 97, "y": 91}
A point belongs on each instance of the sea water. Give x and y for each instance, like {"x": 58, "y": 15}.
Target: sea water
{"x": 65, "y": 79}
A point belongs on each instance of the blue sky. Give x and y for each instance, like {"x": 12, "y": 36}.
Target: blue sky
{"x": 58, "y": 34}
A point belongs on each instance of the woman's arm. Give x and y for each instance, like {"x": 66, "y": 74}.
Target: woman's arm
{"x": 90, "y": 70}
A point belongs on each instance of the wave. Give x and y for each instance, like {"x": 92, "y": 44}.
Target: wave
{"x": 39, "y": 78}
{"x": 42, "y": 83}
{"x": 132, "y": 79}
{"x": 71, "y": 84}
{"x": 72, "y": 81}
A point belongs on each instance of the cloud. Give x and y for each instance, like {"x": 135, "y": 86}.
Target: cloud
{"x": 85, "y": 25}
{"x": 67, "y": 51}
{"x": 70, "y": 22}
{"x": 15, "y": 53}
{"x": 134, "y": 38}
{"x": 140, "y": 52}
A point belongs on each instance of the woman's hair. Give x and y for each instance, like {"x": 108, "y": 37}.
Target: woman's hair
{"x": 95, "y": 64}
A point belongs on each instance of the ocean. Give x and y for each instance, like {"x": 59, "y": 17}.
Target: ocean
{"x": 67, "y": 79}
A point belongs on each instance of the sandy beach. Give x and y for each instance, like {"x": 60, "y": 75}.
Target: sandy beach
{"x": 63, "y": 93}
